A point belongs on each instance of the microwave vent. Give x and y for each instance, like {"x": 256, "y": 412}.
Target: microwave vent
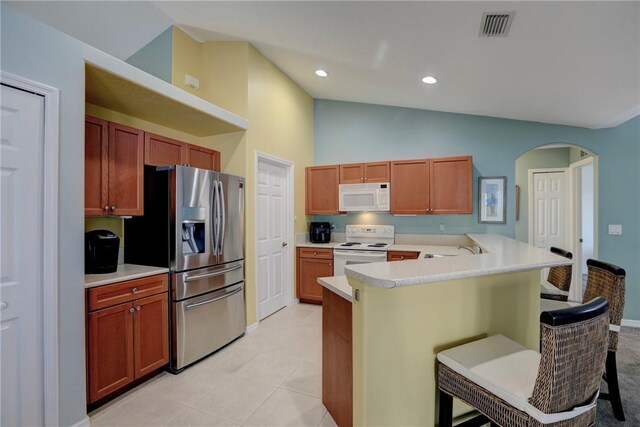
{"x": 496, "y": 24}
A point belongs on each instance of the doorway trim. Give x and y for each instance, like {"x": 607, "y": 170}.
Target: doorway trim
{"x": 289, "y": 222}
{"x": 575, "y": 215}
{"x": 51, "y": 97}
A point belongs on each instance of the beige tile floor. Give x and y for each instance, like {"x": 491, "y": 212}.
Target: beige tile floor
{"x": 270, "y": 377}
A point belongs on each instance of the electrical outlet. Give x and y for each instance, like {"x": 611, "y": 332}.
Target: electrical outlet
{"x": 615, "y": 229}
{"x": 442, "y": 228}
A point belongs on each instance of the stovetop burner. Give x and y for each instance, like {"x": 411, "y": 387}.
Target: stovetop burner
{"x": 378, "y": 245}
{"x": 351, "y": 244}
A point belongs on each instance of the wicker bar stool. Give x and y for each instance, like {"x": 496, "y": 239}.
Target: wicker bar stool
{"x": 606, "y": 280}
{"x": 513, "y": 386}
{"x": 559, "y": 279}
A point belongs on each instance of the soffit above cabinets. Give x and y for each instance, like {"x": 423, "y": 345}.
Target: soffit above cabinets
{"x": 125, "y": 96}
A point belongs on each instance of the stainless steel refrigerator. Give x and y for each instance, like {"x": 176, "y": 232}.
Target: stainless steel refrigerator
{"x": 194, "y": 225}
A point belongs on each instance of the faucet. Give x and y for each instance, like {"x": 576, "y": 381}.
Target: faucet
{"x": 467, "y": 248}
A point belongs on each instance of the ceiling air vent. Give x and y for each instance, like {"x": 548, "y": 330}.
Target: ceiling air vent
{"x": 496, "y": 24}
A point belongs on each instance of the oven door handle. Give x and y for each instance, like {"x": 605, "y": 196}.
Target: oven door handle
{"x": 209, "y": 301}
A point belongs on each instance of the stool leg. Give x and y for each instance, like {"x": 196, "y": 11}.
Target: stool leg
{"x": 614, "y": 389}
{"x": 446, "y": 410}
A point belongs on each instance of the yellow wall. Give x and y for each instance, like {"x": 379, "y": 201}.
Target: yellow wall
{"x": 397, "y": 334}
{"x": 280, "y": 124}
{"x": 186, "y": 55}
{"x": 235, "y": 76}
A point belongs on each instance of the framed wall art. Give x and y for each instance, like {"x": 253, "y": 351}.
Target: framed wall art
{"x": 492, "y": 199}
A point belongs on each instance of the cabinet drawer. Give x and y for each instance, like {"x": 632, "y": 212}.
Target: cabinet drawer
{"x": 315, "y": 253}
{"x": 108, "y": 295}
{"x": 401, "y": 255}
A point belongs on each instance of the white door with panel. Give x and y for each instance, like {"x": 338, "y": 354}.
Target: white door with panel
{"x": 549, "y": 210}
{"x": 272, "y": 245}
{"x": 21, "y": 258}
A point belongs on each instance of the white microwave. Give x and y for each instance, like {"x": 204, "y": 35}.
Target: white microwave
{"x": 365, "y": 197}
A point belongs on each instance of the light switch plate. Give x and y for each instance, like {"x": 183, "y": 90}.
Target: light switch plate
{"x": 615, "y": 229}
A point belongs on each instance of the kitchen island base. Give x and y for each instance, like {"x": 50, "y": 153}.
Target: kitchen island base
{"x": 398, "y": 332}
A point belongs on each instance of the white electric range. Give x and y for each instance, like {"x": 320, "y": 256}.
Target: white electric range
{"x": 364, "y": 244}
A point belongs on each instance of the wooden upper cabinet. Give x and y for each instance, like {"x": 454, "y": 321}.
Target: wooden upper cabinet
{"x": 410, "y": 187}
{"x": 352, "y": 173}
{"x": 163, "y": 151}
{"x": 451, "y": 185}
{"x": 357, "y": 173}
{"x": 376, "y": 172}
{"x": 322, "y": 190}
{"x": 96, "y": 166}
{"x": 126, "y": 170}
{"x": 200, "y": 157}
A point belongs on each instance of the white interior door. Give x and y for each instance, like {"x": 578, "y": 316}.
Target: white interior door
{"x": 271, "y": 231}
{"x": 21, "y": 260}
{"x": 549, "y": 210}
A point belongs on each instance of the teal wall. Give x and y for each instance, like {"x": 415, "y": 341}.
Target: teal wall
{"x": 352, "y": 132}
{"x": 534, "y": 159}
{"x": 155, "y": 57}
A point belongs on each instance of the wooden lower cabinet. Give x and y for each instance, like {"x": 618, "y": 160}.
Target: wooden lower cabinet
{"x": 337, "y": 358}
{"x": 312, "y": 264}
{"x": 401, "y": 255}
{"x": 126, "y": 341}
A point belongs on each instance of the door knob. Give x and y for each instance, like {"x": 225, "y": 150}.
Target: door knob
{"x": 284, "y": 244}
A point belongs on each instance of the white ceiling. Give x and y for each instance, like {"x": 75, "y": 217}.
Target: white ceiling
{"x": 575, "y": 63}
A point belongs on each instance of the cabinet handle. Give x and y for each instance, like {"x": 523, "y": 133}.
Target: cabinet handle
{"x": 131, "y": 310}
{"x": 113, "y": 208}
{"x": 138, "y": 308}
{"x": 134, "y": 290}
{"x": 330, "y": 263}
{"x": 106, "y": 208}
{"x": 402, "y": 257}
{"x": 315, "y": 253}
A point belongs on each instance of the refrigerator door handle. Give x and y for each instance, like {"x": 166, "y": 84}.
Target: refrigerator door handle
{"x": 215, "y": 226}
{"x": 223, "y": 214}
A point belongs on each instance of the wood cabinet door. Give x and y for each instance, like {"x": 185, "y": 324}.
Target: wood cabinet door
{"x": 410, "y": 187}
{"x": 163, "y": 151}
{"x": 96, "y": 166}
{"x": 309, "y": 269}
{"x": 451, "y": 185}
{"x": 376, "y": 172}
{"x": 337, "y": 362}
{"x": 150, "y": 334}
{"x": 322, "y": 190}
{"x": 110, "y": 343}
{"x": 204, "y": 158}
{"x": 352, "y": 173}
{"x": 126, "y": 170}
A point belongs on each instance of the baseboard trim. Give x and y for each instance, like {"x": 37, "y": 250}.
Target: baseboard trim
{"x": 252, "y": 328}
{"x": 631, "y": 323}
{"x": 85, "y": 422}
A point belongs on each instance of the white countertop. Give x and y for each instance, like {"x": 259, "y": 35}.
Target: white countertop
{"x": 338, "y": 285}
{"x": 429, "y": 249}
{"x": 125, "y": 272}
{"x": 503, "y": 255}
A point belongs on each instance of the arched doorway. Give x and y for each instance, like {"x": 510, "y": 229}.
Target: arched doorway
{"x": 557, "y": 204}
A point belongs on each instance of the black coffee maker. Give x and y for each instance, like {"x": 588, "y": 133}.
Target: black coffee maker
{"x": 320, "y": 232}
{"x": 101, "y": 252}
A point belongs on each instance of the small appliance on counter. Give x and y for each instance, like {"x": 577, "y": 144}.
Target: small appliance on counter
{"x": 320, "y": 232}
{"x": 101, "y": 252}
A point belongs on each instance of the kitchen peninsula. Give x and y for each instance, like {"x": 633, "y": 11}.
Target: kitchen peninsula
{"x": 404, "y": 313}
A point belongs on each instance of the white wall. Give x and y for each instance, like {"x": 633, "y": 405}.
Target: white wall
{"x": 35, "y": 51}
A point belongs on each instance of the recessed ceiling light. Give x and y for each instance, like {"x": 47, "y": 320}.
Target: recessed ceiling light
{"x": 430, "y": 80}
{"x": 321, "y": 73}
